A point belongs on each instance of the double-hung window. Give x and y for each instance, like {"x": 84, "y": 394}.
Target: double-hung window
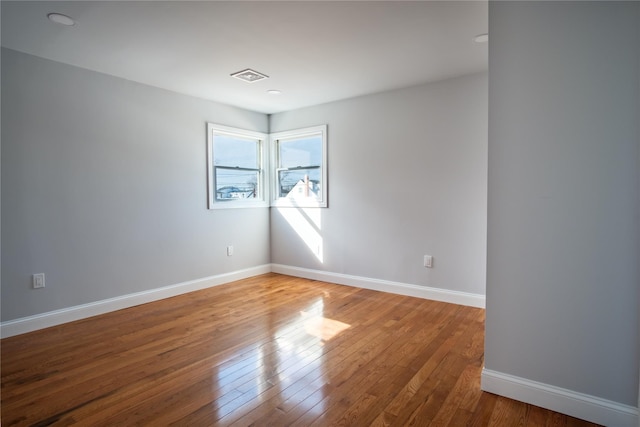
{"x": 236, "y": 167}
{"x": 299, "y": 175}
{"x": 239, "y": 174}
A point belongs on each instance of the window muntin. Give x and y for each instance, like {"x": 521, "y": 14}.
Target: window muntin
{"x": 236, "y": 167}
{"x": 300, "y": 173}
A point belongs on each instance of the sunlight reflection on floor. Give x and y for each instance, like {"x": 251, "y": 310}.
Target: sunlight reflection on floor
{"x": 277, "y": 367}
{"x": 323, "y": 328}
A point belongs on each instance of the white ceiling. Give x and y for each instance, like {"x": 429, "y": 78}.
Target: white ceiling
{"x": 313, "y": 51}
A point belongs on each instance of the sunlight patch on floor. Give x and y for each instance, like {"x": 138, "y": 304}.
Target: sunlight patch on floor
{"x": 322, "y": 327}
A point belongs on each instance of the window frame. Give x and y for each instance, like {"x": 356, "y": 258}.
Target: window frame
{"x": 262, "y": 199}
{"x": 301, "y": 133}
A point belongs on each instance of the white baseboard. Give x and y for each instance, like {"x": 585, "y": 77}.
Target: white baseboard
{"x": 78, "y": 312}
{"x": 444, "y": 295}
{"x": 579, "y": 405}
{"x": 57, "y": 317}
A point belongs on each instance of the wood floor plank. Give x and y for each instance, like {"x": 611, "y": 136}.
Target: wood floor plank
{"x": 413, "y": 393}
{"x": 508, "y": 412}
{"x": 271, "y": 350}
{"x": 483, "y": 410}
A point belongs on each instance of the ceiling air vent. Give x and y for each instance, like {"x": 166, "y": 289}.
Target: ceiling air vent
{"x": 249, "y": 75}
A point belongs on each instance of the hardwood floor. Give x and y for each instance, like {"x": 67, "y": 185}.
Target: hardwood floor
{"x": 272, "y": 350}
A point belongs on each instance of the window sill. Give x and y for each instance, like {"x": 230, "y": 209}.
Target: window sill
{"x": 232, "y": 205}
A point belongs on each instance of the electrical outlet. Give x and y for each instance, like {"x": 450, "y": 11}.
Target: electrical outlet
{"x": 428, "y": 261}
{"x": 38, "y": 281}
{"x": 229, "y": 250}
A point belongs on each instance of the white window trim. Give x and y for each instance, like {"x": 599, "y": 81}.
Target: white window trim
{"x": 265, "y": 175}
{"x": 298, "y": 133}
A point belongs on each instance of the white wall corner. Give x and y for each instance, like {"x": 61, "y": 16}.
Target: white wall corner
{"x": 437, "y": 294}
{"x": 78, "y": 312}
{"x": 575, "y": 404}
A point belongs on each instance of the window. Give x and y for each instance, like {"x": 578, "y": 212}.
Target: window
{"x": 300, "y": 167}
{"x": 235, "y": 167}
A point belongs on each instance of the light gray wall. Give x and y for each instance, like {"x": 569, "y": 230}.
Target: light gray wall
{"x": 104, "y": 188}
{"x": 407, "y": 177}
{"x": 564, "y": 187}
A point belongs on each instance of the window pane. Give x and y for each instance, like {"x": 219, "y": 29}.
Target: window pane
{"x": 236, "y": 152}
{"x": 235, "y": 168}
{"x": 300, "y": 152}
{"x": 300, "y": 184}
{"x": 236, "y": 184}
{"x": 299, "y": 171}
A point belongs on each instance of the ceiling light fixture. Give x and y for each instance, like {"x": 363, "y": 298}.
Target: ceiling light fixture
{"x": 274, "y": 92}
{"x": 249, "y": 76}
{"x": 61, "y": 19}
{"x": 481, "y": 38}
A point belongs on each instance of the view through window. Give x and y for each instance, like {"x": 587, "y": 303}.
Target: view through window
{"x": 300, "y": 167}
{"x": 236, "y": 167}
{"x": 239, "y": 173}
